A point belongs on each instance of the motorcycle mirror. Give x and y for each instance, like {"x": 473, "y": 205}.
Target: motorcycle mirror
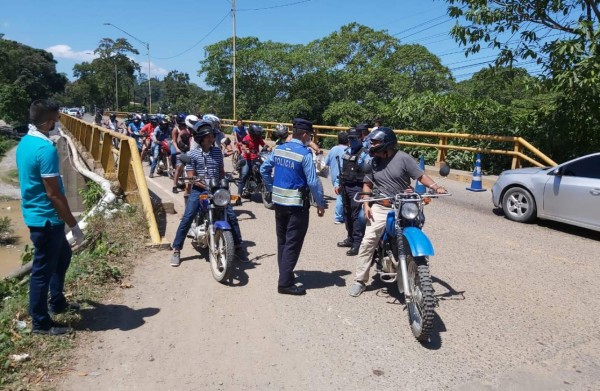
{"x": 185, "y": 158}
{"x": 444, "y": 169}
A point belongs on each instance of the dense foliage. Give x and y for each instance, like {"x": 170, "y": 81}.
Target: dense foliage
{"x": 26, "y": 74}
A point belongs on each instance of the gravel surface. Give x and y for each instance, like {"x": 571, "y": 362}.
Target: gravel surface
{"x": 8, "y": 163}
{"x": 516, "y": 312}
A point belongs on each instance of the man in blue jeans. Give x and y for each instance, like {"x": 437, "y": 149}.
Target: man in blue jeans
{"x": 206, "y": 162}
{"x": 45, "y": 211}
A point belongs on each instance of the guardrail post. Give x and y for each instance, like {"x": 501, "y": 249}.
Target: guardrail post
{"x": 516, "y": 160}
{"x": 106, "y": 157}
{"x": 441, "y": 152}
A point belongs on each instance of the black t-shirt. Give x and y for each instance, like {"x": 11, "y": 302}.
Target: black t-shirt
{"x": 392, "y": 176}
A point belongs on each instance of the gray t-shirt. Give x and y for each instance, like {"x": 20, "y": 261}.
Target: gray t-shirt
{"x": 392, "y": 176}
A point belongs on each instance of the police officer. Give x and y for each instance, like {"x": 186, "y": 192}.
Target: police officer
{"x": 348, "y": 183}
{"x": 294, "y": 177}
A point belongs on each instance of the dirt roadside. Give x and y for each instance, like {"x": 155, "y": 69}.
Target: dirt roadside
{"x": 512, "y": 314}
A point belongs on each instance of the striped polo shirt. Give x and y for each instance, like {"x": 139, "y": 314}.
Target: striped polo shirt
{"x": 206, "y": 164}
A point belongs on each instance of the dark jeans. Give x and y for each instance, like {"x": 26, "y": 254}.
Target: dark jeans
{"x": 50, "y": 263}
{"x": 291, "y": 224}
{"x": 355, "y": 226}
{"x": 244, "y": 174}
{"x": 191, "y": 210}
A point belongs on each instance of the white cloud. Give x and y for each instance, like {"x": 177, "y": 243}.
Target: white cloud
{"x": 65, "y": 51}
{"x": 155, "y": 70}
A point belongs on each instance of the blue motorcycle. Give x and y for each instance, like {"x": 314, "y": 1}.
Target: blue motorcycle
{"x": 210, "y": 228}
{"x": 402, "y": 255}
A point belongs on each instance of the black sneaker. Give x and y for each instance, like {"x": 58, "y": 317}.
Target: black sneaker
{"x": 55, "y": 329}
{"x": 70, "y": 307}
{"x": 175, "y": 189}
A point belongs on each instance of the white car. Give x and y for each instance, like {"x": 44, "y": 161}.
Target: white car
{"x": 74, "y": 111}
{"x": 569, "y": 193}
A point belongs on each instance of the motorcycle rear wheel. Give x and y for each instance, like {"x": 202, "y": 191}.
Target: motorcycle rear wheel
{"x": 221, "y": 257}
{"x": 265, "y": 195}
{"x": 420, "y": 308}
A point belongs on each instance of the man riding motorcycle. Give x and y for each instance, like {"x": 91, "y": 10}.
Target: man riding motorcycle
{"x": 250, "y": 147}
{"x": 391, "y": 174}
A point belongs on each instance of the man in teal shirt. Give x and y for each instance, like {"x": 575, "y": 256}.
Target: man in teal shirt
{"x": 45, "y": 211}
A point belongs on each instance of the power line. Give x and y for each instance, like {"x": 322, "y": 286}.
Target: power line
{"x": 275, "y": 6}
{"x": 197, "y": 43}
{"x": 419, "y": 25}
{"x": 428, "y": 28}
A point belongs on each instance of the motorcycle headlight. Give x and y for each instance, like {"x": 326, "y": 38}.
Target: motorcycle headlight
{"x": 410, "y": 210}
{"x": 221, "y": 197}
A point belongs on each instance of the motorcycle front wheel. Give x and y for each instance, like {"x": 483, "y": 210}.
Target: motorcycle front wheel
{"x": 221, "y": 257}
{"x": 420, "y": 308}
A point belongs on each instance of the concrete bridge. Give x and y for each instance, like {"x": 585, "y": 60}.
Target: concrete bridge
{"x": 517, "y": 310}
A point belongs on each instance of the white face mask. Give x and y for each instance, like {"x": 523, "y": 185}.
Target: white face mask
{"x": 55, "y": 129}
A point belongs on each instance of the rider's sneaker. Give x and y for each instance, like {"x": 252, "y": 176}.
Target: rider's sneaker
{"x": 357, "y": 289}
{"x": 175, "y": 189}
{"x": 175, "y": 259}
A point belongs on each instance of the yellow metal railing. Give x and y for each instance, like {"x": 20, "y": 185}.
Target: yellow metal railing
{"x": 520, "y": 144}
{"x": 123, "y": 164}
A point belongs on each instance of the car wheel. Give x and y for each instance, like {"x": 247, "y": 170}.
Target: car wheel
{"x": 518, "y": 205}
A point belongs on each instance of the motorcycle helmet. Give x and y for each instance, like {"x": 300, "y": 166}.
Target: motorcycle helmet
{"x": 153, "y": 120}
{"x": 164, "y": 122}
{"x": 190, "y": 121}
{"x": 201, "y": 129}
{"x": 386, "y": 140}
{"x": 213, "y": 119}
{"x": 255, "y": 130}
{"x": 113, "y": 117}
{"x": 281, "y": 132}
{"x": 180, "y": 119}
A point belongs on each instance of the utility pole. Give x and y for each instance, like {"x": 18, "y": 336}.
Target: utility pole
{"x": 116, "y": 88}
{"x": 233, "y": 13}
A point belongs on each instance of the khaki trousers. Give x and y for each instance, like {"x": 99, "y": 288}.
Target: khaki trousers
{"x": 373, "y": 233}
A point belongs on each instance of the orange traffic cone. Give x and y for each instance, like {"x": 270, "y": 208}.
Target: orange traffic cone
{"x": 476, "y": 182}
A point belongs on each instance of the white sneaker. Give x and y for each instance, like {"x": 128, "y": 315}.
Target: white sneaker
{"x": 357, "y": 289}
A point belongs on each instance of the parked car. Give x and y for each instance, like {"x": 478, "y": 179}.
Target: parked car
{"x": 74, "y": 111}
{"x": 569, "y": 193}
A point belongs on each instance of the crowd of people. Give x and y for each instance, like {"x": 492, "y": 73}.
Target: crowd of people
{"x": 362, "y": 160}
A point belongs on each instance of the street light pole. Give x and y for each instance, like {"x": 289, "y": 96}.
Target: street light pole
{"x": 148, "y": 54}
{"x": 116, "y": 89}
{"x": 233, "y": 39}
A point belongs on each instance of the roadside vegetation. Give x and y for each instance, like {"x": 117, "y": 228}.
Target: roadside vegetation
{"x": 100, "y": 266}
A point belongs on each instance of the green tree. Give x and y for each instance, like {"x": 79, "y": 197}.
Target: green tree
{"x": 563, "y": 37}
{"x": 26, "y": 74}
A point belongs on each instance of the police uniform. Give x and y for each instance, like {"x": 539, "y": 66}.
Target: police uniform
{"x": 351, "y": 179}
{"x": 294, "y": 176}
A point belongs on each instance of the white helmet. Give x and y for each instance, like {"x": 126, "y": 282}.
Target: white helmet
{"x": 191, "y": 120}
{"x": 213, "y": 119}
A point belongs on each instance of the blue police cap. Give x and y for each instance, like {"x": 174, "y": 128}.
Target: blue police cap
{"x": 302, "y": 124}
{"x": 354, "y": 133}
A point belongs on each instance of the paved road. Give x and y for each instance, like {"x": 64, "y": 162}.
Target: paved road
{"x": 517, "y": 310}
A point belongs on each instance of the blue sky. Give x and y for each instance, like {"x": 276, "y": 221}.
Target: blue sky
{"x": 71, "y": 30}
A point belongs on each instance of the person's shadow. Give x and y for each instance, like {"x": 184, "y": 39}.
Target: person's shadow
{"x": 315, "y": 279}
{"x": 103, "y": 317}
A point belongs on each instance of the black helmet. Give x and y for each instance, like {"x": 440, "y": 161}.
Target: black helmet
{"x": 281, "y": 132}
{"x": 201, "y": 130}
{"x": 255, "y": 130}
{"x": 386, "y": 138}
{"x": 354, "y": 133}
{"x": 153, "y": 120}
{"x": 113, "y": 117}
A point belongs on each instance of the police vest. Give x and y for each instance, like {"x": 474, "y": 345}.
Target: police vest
{"x": 350, "y": 170}
{"x": 289, "y": 182}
